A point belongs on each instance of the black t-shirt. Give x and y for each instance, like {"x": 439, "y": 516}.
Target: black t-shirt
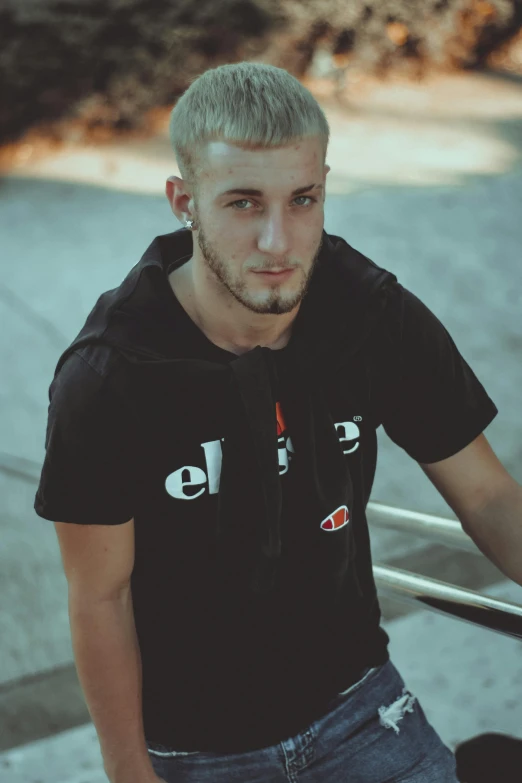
{"x": 154, "y": 453}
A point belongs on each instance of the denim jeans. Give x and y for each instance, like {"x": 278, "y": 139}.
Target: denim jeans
{"x": 374, "y": 732}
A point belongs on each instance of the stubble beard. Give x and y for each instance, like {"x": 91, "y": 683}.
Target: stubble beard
{"x": 275, "y": 304}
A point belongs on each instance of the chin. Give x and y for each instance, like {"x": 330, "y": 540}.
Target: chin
{"x": 280, "y": 306}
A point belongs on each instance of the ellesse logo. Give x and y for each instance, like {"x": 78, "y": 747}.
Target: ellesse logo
{"x": 339, "y": 518}
{"x": 191, "y": 481}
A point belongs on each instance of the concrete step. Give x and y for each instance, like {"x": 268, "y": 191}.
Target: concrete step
{"x": 467, "y": 679}
{"x": 72, "y": 756}
{"x": 51, "y": 701}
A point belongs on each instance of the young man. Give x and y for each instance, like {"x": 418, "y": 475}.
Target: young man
{"x": 211, "y": 449}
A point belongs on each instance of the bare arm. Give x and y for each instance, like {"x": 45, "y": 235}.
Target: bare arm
{"x": 108, "y": 663}
{"x": 98, "y": 562}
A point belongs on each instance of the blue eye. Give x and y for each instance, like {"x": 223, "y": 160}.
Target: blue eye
{"x": 245, "y": 200}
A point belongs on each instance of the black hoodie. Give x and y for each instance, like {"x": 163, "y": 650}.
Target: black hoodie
{"x": 247, "y": 478}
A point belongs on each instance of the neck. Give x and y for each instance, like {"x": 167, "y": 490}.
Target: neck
{"x": 227, "y": 323}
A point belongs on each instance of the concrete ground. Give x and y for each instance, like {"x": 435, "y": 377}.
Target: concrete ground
{"x": 426, "y": 180}
{"x": 451, "y": 667}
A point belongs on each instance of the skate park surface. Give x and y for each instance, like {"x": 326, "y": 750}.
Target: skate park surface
{"x": 426, "y": 181}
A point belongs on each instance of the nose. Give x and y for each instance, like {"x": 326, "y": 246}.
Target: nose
{"x": 273, "y": 237}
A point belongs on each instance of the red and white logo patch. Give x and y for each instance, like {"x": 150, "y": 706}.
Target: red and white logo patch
{"x": 338, "y": 519}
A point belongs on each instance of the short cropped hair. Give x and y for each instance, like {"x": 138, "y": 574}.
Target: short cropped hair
{"x": 254, "y": 105}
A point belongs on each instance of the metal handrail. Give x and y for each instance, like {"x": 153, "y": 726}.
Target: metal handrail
{"x": 469, "y": 606}
{"x": 437, "y": 529}
{"x": 497, "y": 615}
{"x": 503, "y": 617}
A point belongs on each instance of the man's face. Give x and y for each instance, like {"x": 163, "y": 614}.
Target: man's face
{"x": 261, "y": 248}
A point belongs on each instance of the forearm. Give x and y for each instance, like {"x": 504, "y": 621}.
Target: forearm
{"x": 497, "y": 531}
{"x": 108, "y": 662}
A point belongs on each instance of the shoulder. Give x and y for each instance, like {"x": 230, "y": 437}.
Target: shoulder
{"x": 85, "y": 376}
{"x": 341, "y": 263}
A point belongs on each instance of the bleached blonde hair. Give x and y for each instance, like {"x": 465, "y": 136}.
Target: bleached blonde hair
{"x": 254, "y": 105}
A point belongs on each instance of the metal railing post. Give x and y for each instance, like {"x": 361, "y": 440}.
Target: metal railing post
{"x": 498, "y": 615}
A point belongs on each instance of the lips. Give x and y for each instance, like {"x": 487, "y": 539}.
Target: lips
{"x": 276, "y": 274}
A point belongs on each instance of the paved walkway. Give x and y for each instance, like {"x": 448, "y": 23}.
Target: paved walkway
{"x": 451, "y": 667}
{"x": 426, "y": 180}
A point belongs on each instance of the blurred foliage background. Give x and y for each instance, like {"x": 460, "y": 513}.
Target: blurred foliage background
{"x": 88, "y": 69}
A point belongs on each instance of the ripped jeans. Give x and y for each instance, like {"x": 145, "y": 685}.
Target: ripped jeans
{"x": 375, "y": 732}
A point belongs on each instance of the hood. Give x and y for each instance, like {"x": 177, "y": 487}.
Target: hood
{"x": 343, "y": 306}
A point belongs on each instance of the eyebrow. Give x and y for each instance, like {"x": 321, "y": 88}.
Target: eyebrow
{"x": 253, "y": 192}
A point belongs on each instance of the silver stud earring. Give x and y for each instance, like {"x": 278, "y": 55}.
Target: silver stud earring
{"x": 189, "y": 223}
